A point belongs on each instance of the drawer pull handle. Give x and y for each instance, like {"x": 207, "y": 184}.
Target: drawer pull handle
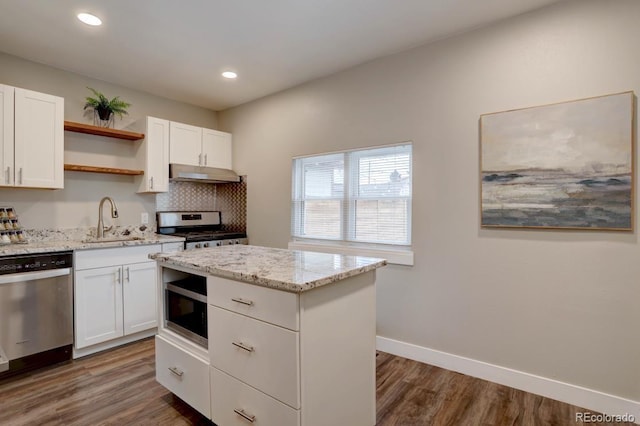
{"x": 241, "y": 300}
{"x": 247, "y": 417}
{"x": 243, "y": 346}
{"x": 176, "y": 371}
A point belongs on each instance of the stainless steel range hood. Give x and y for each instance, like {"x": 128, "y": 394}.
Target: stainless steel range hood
{"x": 183, "y": 172}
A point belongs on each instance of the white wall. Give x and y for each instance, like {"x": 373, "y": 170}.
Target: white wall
{"x": 562, "y": 305}
{"x": 77, "y": 204}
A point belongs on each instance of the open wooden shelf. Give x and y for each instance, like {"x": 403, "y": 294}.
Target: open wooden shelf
{"x": 71, "y": 126}
{"x": 108, "y": 170}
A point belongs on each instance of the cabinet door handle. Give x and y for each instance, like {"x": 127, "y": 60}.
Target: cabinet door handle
{"x": 243, "y": 346}
{"x": 176, "y": 371}
{"x": 20, "y": 174}
{"x": 205, "y": 159}
{"x": 8, "y": 175}
{"x": 127, "y": 269}
{"x": 243, "y": 301}
{"x": 200, "y": 159}
{"x": 151, "y": 182}
{"x": 118, "y": 276}
{"x": 244, "y": 415}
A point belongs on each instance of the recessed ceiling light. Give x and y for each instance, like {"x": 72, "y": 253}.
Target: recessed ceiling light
{"x": 229, "y": 74}
{"x": 89, "y": 19}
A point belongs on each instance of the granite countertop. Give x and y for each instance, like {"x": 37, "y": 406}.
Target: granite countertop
{"x": 43, "y": 241}
{"x": 288, "y": 270}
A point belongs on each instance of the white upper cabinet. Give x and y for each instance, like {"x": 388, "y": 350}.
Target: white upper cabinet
{"x": 185, "y": 143}
{"x": 154, "y": 154}
{"x": 197, "y": 146}
{"x": 32, "y": 139}
{"x": 6, "y": 134}
{"x": 216, "y": 149}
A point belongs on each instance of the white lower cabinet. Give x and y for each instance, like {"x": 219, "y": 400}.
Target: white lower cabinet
{"x": 234, "y": 403}
{"x": 184, "y": 374}
{"x": 263, "y": 355}
{"x": 276, "y": 358}
{"x": 292, "y": 358}
{"x": 98, "y": 306}
{"x": 273, "y": 307}
{"x": 139, "y": 297}
{"x": 112, "y": 298}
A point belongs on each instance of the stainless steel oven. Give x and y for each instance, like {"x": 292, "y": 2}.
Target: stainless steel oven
{"x": 186, "y": 308}
{"x": 200, "y": 229}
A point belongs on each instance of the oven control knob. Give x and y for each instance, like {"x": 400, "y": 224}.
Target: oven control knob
{"x": 198, "y": 245}
{"x": 206, "y": 244}
{"x": 236, "y": 242}
{"x": 218, "y": 243}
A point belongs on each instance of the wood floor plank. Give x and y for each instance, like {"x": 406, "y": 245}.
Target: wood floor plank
{"x": 118, "y": 387}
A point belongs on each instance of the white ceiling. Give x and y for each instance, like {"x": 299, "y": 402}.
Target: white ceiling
{"x": 177, "y": 49}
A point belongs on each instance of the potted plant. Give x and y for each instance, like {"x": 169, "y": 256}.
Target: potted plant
{"x": 105, "y": 109}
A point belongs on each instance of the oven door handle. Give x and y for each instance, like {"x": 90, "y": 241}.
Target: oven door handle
{"x": 30, "y": 276}
{"x": 186, "y": 293}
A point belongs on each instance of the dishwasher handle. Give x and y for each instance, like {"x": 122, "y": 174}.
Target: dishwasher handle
{"x": 30, "y": 276}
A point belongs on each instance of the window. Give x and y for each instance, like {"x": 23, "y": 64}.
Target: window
{"x": 361, "y": 196}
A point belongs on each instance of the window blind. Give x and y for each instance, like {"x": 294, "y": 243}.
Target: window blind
{"x": 355, "y": 196}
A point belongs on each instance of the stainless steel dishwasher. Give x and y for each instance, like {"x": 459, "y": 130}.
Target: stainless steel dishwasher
{"x": 36, "y": 311}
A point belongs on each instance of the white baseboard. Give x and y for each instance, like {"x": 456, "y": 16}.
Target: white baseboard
{"x": 575, "y": 395}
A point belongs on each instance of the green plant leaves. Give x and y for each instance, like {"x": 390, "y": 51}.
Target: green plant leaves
{"x": 100, "y": 101}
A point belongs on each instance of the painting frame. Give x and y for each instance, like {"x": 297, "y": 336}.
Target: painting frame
{"x": 566, "y": 165}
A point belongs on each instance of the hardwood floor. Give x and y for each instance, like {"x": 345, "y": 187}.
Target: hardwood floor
{"x": 412, "y": 393}
{"x": 118, "y": 387}
{"x": 115, "y": 387}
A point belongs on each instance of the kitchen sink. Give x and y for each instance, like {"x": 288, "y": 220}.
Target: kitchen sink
{"x": 113, "y": 239}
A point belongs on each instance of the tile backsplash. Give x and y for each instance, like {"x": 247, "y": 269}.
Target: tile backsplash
{"x": 229, "y": 198}
{"x": 187, "y": 196}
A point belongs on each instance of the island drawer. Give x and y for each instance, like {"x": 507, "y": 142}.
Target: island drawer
{"x": 273, "y": 306}
{"x": 184, "y": 374}
{"x": 232, "y": 399}
{"x": 260, "y": 354}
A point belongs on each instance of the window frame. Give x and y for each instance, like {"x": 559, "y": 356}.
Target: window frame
{"x": 346, "y": 243}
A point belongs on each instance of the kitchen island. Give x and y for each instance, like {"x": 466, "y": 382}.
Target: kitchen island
{"x": 289, "y": 340}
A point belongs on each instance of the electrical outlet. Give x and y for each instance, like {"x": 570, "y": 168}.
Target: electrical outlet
{"x": 144, "y": 218}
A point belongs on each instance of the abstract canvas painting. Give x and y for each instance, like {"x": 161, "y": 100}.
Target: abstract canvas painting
{"x": 566, "y": 165}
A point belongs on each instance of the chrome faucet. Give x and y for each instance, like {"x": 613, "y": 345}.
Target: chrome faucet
{"x": 114, "y": 214}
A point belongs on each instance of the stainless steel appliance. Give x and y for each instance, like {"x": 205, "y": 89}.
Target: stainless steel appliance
{"x": 182, "y": 172}
{"x": 185, "y": 308}
{"x": 36, "y": 311}
{"x": 200, "y": 229}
